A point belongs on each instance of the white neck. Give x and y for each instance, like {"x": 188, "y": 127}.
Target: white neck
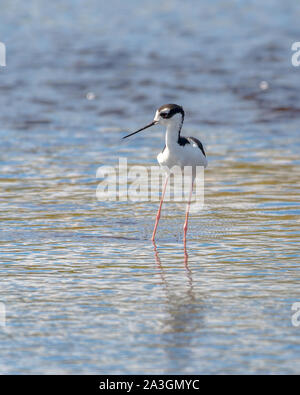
{"x": 172, "y": 132}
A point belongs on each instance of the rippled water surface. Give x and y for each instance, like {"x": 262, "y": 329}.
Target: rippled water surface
{"x": 85, "y": 291}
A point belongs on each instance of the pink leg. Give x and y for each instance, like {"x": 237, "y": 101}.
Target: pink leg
{"x": 159, "y": 210}
{"x": 185, "y": 226}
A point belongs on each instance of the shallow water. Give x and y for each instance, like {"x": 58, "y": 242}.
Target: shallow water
{"x": 85, "y": 291}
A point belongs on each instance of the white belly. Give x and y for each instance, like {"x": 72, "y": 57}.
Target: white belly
{"x": 178, "y": 155}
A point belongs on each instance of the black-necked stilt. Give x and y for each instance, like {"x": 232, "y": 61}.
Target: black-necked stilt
{"x": 178, "y": 151}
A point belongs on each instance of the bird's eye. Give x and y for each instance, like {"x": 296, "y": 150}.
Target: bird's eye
{"x": 164, "y": 114}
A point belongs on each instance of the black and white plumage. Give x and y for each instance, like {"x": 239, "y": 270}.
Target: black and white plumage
{"x": 178, "y": 151}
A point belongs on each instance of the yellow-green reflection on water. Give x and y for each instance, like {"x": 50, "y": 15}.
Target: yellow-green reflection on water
{"x": 85, "y": 291}
{"x": 84, "y": 286}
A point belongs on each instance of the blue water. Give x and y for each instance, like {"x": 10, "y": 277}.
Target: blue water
{"x": 84, "y": 289}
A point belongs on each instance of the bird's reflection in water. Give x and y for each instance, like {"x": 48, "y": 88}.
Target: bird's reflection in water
{"x": 185, "y": 261}
{"x": 182, "y": 320}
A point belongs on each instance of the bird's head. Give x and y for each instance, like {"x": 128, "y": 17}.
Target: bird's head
{"x": 167, "y": 114}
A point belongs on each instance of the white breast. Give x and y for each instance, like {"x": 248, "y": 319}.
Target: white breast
{"x": 182, "y": 155}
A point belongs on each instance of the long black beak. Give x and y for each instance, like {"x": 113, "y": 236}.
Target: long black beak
{"x": 145, "y": 127}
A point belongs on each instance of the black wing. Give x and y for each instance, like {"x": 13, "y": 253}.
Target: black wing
{"x": 190, "y": 140}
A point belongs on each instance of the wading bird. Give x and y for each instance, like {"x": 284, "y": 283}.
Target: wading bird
{"x": 178, "y": 151}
